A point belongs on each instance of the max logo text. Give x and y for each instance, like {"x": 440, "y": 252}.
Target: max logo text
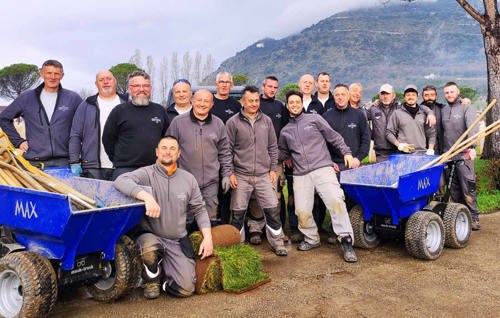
{"x": 26, "y": 210}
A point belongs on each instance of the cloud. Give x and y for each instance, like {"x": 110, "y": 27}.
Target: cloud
{"x": 90, "y": 35}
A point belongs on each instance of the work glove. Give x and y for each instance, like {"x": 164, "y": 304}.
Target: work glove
{"x": 76, "y": 169}
{"x": 225, "y": 185}
{"x": 470, "y": 154}
{"x": 406, "y": 148}
{"x": 430, "y": 152}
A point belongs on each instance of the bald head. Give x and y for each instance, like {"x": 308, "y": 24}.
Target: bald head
{"x": 306, "y": 84}
{"x": 106, "y": 84}
{"x": 203, "y": 93}
{"x": 202, "y": 102}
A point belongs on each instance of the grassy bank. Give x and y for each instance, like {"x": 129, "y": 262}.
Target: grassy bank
{"x": 488, "y": 198}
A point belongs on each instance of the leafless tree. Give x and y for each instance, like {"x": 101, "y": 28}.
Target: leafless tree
{"x": 174, "y": 66}
{"x": 187, "y": 63}
{"x": 151, "y": 70}
{"x": 208, "y": 67}
{"x": 164, "y": 80}
{"x": 197, "y": 68}
{"x": 136, "y": 58}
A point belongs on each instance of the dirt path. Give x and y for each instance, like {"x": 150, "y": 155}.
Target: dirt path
{"x": 386, "y": 282}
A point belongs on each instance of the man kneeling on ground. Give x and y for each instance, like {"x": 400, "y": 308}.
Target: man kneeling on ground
{"x": 162, "y": 234}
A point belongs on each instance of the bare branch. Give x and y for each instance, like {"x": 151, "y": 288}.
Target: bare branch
{"x": 472, "y": 12}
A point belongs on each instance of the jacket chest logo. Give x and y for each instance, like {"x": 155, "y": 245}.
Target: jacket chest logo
{"x": 229, "y": 111}
{"x": 278, "y": 116}
{"x": 156, "y": 120}
{"x": 63, "y": 108}
{"x": 352, "y": 125}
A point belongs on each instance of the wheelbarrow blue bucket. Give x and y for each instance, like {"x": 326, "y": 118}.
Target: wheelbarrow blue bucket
{"x": 395, "y": 188}
{"x": 47, "y": 223}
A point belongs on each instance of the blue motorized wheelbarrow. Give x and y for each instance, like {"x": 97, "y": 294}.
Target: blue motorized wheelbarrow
{"x": 397, "y": 198}
{"x": 51, "y": 244}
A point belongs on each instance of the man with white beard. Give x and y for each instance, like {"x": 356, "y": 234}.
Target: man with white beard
{"x": 133, "y": 129}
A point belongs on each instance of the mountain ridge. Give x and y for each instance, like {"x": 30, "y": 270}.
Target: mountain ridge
{"x": 421, "y": 43}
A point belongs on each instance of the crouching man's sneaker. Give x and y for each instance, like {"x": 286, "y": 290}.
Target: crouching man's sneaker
{"x": 151, "y": 290}
{"x": 349, "y": 254}
{"x": 475, "y": 225}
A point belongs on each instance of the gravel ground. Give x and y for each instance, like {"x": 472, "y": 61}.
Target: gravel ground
{"x": 386, "y": 282}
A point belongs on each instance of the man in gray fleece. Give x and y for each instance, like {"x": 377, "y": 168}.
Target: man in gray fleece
{"x": 456, "y": 118}
{"x": 407, "y": 128}
{"x": 303, "y": 140}
{"x": 205, "y": 149}
{"x": 252, "y": 141}
{"x": 162, "y": 234}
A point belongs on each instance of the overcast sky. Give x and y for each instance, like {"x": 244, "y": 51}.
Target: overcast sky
{"x": 90, "y": 35}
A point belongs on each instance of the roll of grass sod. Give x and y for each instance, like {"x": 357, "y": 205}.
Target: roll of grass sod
{"x": 234, "y": 267}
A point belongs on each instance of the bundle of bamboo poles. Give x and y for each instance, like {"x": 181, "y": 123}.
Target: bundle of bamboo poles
{"x": 460, "y": 145}
{"x": 16, "y": 171}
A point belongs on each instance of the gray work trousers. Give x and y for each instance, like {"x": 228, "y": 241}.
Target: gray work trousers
{"x": 463, "y": 187}
{"x": 265, "y": 195}
{"x": 324, "y": 182}
{"x": 255, "y": 221}
{"x": 176, "y": 265}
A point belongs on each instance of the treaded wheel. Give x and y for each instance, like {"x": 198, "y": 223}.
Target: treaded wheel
{"x": 28, "y": 285}
{"x": 424, "y": 235}
{"x": 120, "y": 273}
{"x": 457, "y": 224}
{"x": 364, "y": 234}
{"x": 136, "y": 261}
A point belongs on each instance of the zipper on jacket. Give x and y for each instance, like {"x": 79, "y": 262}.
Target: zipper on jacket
{"x": 99, "y": 138}
{"x": 202, "y": 161}
{"x": 302, "y": 145}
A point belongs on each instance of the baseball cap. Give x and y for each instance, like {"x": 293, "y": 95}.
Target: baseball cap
{"x": 387, "y": 88}
{"x": 411, "y": 88}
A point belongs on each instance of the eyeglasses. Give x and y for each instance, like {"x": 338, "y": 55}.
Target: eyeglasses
{"x": 181, "y": 80}
{"x": 146, "y": 86}
{"x": 224, "y": 82}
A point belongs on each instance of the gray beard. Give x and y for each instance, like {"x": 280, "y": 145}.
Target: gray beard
{"x": 140, "y": 101}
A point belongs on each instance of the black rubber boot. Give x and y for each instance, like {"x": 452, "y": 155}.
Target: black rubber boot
{"x": 349, "y": 254}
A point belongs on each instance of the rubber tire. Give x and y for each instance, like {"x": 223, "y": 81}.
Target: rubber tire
{"x": 416, "y": 235}
{"x": 124, "y": 276}
{"x": 457, "y": 235}
{"x": 37, "y": 280}
{"x": 361, "y": 238}
{"x": 136, "y": 261}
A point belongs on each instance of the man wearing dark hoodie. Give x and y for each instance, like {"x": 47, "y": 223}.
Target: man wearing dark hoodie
{"x": 48, "y": 112}
{"x": 86, "y": 151}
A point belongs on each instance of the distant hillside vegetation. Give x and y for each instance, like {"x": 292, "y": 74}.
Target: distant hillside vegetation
{"x": 421, "y": 43}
